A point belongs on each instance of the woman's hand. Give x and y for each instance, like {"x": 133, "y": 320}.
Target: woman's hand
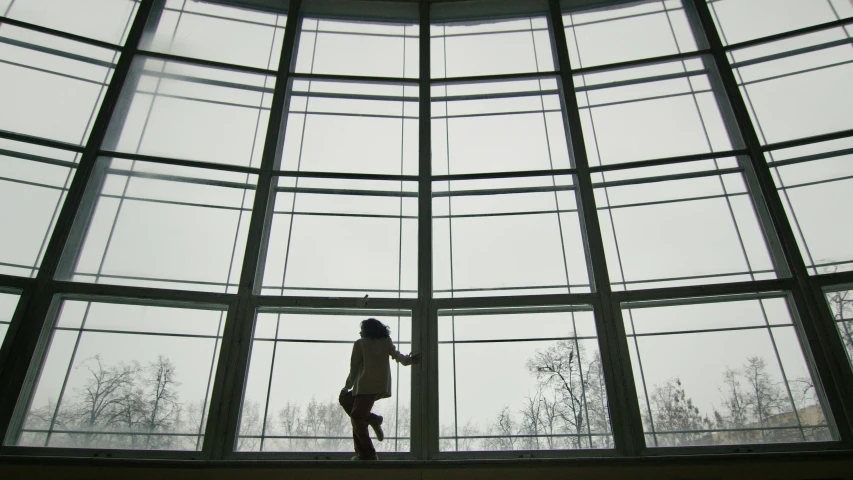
{"x": 416, "y": 358}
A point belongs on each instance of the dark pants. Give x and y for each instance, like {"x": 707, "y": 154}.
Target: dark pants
{"x": 358, "y": 408}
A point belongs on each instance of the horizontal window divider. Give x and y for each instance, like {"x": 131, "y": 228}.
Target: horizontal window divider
{"x": 641, "y": 80}
{"x": 496, "y": 114}
{"x": 768, "y": 450}
{"x": 17, "y": 265}
{"x": 798, "y": 72}
{"x": 478, "y": 34}
{"x": 141, "y": 53}
{"x": 109, "y": 432}
{"x": 341, "y": 289}
{"x": 346, "y": 176}
{"x": 493, "y": 175}
{"x": 492, "y": 289}
{"x": 135, "y": 332}
{"x": 792, "y": 53}
{"x": 107, "y": 293}
{"x": 272, "y": 303}
{"x": 708, "y": 330}
{"x": 356, "y": 34}
{"x": 830, "y": 264}
{"x": 15, "y": 284}
{"x": 517, "y": 340}
{"x": 790, "y": 34}
{"x": 816, "y": 182}
{"x": 357, "y": 311}
{"x": 498, "y": 304}
{"x": 59, "y": 33}
{"x": 314, "y": 341}
{"x": 56, "y": 52}
{"x": 668, "y": 161}
{"x": 37, "y": 158}
{"x": 644, "y": 99}
{"x": 677, "y": 200}
{"x": 524, "y": 435}
{"x": 44, "y": 142}
{"x": 307, "y": 437}
{"x": 695, "y": 294}
{"x": 359, "y": 115}
{"x": 343, "y": 191}
{"x": 51, "y": 72}
{"x": 324, "y": 77}
{"x": 202, "y": 81}
{"x": 668, "y": 178}
{"x": 810, "y": 158}
{"x": 825, "y": 137}
{"x": 502, "y": 77}
{"x": 180, "y": 162}
{"x": 203, "y": 100}
{"x": 675, "y": 57}
{"x": 505, "y": 214}
{"x": 744, "y": 429}
{"x": 173, "y": 202}
{"x": 32, "y": 184}
{"x": 582, "y": 9}
{"x": 694, "y": 277}
{"x": 230, "y": 19}
{"x": 494, "y": 96}
{"x": 835, "y": 280}
{"x": 84, "y": 454}
{"x": 351, "y": 96}
{"x": 503, "y": 191}
{"x": 354, "y": 215}
{"x": 179, "y": 179}
{"x": 465, "y": 312}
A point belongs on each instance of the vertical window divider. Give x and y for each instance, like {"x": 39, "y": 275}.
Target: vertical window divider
{"x": 619, "y": 381}
{"x": 825, "y": 351}
{"x": 13, "y": 376}
{"x": 223, "y": 421}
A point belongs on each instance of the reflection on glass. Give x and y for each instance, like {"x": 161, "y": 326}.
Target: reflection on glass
{"x": 841, "y": 306}
{"x": 299, "y": 362}
{"x": 124, "y": 376}
{"x": 521, "y": 381}
{"x": 722, "y": 373}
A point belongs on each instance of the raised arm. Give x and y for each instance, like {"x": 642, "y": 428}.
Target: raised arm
{"x": 399, "y": 357}
{"x": 356, "y": 359}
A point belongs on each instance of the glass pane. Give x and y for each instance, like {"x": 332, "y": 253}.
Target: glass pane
{"x": 124, "y": 376}
{"x": 161, "y": 226}
{"x": 798, "y": 87}
{"x": 351, "y": 128}
{"x": 507, "y": 237}
{"x": 342, "y": 238}
{"x": 498, "y": 127}
{"x": 52, "y": 87}
{"x": 33, "y": 183}
{"x": 290, "y": 408}
{"x": 105, "y": 20}
{"x": 722, "y": 373}
{"x": 841, "y": 306}
{"x": 621, "y": 34}
{"x": 190, "y": 112}
{"x": 8, "y": 303}
{"x": 490, "y": 47}
{"x": 366, "y": 49}
{"x": 742, "y": 20}
{"x": 816, "y": 185}
{"x": 687, "y": 229}
{"x": 656, "y": 111}
{"x": 521, "y": 381}
{"x": 219, "y": 33}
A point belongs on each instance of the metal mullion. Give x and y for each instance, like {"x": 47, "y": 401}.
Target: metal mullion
{"x": 810, "y": 158}
{"x": 643, "y": 62}
{"x": 51, "y": 72}
{"x": 841, "y": 279}
{"x": 791, "y": 53}
{"x": 643, "y": 99}
{"x": 230, "y": 19}
{"x": 353, "y": 96}
{"x": 501, "y": 77}
{"x": 495, "y": 32}
{"x": 641, "y": 80}
{"x": 15, "y": 373}
{"x": 665, "y": 161}
{"x": 101, "y": 291}
{"x": 494, "y": 96}
{"x": 798, "y": 72}
{"x": 496, "y": 114}
{"x": 669, "y": 178}
{"x": 267, "y": 302}
{"x": 503, "y": 191}
{"x": 37, "y": 158}
{"x": 57, "y": 52}
{"x": 499, "y": 175}
{"x": 790, "y": 34}
{"x": 828, "y": 360}
{"x": 15, "y": 282}
{"x": 624, "y": 409}
{"x": 504, "y": 214}
{"x": 712, "y": 330}
{"x": 58, "y": 33}
{"x": 508, "y": 289}
{"x": 345, "y": 176}
{"x": 178, "y": 162}
{"x": 816, "y": 182}
{"x": 695, "y": 293}
{"x": 177, "y": 179}
{"x": 545, "y": 300}
{"x": 425, "y": 415}
{"x": 826, "y": 137}
{"x": 44, "y": 142}
{"x": 223, "y": 427}
{"x": 168, "y": 57}
{"x": 341, "y": 191}
{"x": 325, "y": 77}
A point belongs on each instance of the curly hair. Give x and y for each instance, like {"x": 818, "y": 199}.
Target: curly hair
{"x": 373, "y": 328}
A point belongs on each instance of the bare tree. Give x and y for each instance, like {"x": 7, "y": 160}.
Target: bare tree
{"x": 161, "y": 402}
{"x": 677, "y": 421}
{"x": 99, "y": 404}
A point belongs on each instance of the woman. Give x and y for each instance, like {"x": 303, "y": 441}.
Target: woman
{"x": 370, "y": 380}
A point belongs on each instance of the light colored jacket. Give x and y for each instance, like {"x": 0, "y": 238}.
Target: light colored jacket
{"x": 370, "y": 367}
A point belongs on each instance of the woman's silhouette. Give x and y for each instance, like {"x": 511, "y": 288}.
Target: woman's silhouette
{"x": 370, "y": 380}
